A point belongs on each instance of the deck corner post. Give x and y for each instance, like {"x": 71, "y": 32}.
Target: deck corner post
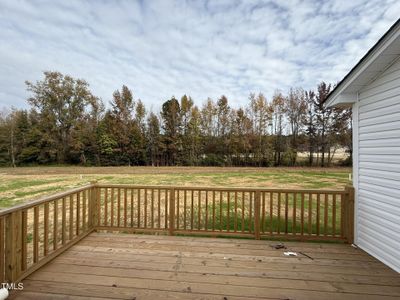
{"x": 257, "y": 206}
{"x": 349, "y": 214}
{"x": 13, "y": 246}
{"x": 94, "y": 203}
{"x": 171, "y": 226}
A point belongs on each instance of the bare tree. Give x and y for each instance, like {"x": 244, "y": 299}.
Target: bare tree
{"x": 279, "y": 110}
{"x": 295, "y": 109}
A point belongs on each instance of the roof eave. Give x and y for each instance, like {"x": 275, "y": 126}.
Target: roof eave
{"x": 341, "y": 100}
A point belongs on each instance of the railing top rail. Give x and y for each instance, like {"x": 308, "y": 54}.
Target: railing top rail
{"x": 43, "y": 200}
{"x": 223, "y": 189}
{"x": 188, "y": 188}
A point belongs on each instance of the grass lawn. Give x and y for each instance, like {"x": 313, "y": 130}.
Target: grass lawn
{"x": 25, "y": 184}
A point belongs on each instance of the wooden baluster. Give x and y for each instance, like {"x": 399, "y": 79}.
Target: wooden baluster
{"x": 213, "y": 212}
{"x": 125, "y": 206}
{"x": 96, "y": 221}
{"x": 171, "y": 211}
{"x": 36, "y": 234}
{"x": 206, "y": 221}
{"x": 78, "y": 213}
{"x": 243, "y": 207}
{"x": 286, "y": 212}
{"x": 220, "y": 211}
{"x": 71, "y": 217}
{"x": 271, "y": 212}
{"x": 326, "y": 204}
{"x": 118, "y": 207}
{"x": 152, "y": 208}
{"x": 236, "y": 216}
{"x": 55, "y": 225}
{"x": 318, "y": 211}
{"x": 92, "y": 201}
{"x": 310, "y": 214}
{"x": 159, "y": 208}
{"x": 84, "y": 225}
{"x": 94, "y": 205}
{"x": 112, "y": 207}
{"x": 294, "y": 229}
{"x": 46, "y": 229}
{"x": 257, "y": 205}
{"x": 334, "y": 215}
{"x": 279, "y": 212}
{"x": 184, "y": 209}
{"x": 132, "y": 207}
{"x": 250, "y": 211}
{"x": 138, "y": 214}
{"x": 302, "y": 213}
{"x": 64, "y": 217}
{"x": 199, "y": 210}
{"x": 192, "y": 211}
{"x": 24, "y": 243}
{"x": 106, "y": 206}
{"x": 145, "y": 208}
{"x": 263, "y": 213}
{"x": 342, "y": 216}
{"x": 178, "y": 207}
{"x": 228, "y": 205}
{"x": 166, "y": 208}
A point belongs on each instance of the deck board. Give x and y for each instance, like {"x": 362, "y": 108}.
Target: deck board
{"x": 126, "y": 266}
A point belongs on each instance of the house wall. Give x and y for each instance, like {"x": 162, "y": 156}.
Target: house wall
{"x": 377, "y": 167}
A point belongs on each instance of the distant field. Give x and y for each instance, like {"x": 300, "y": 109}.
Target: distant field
{"x": 25, "y": 184}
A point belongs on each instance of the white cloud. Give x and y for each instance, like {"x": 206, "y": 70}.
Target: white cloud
{"x": 202, "y": 48}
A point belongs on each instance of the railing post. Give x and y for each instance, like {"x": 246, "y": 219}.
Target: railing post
{"x": 13, "y": 246}
{"x": 349, "y": 214}
{"x": 257, "y": 204}
{"x": 94, "y": 202}
{"x": 171, "y": 226}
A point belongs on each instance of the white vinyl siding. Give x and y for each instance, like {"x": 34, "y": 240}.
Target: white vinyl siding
{"x": 378, "y": 168}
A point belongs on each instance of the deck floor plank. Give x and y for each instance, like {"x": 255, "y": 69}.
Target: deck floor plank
{"x": 360, "y": 256}
{"x": 293, "y": 273}
{"x": 127, "y": 266}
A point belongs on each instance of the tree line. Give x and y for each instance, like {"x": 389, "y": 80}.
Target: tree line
{"x": 67, "y": 124}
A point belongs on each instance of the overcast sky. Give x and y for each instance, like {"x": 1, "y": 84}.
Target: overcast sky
{"x": 201, "y": 48}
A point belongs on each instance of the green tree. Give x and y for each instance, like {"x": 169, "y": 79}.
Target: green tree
{"x": 86, "y": 146}
{"x": 139, "y": 133}
{"x": 223, "y": 128}
{"x": 194, "y": 142}
{"x": 171, "y": 117}
{"x": 242, "y": 129}
{"x": 186, "y": 105}
{"x": 119, "y": 125}
{"x": 61, "y": 102}
{"x": 153, "y": 137}
{"x": 7, "y": 139}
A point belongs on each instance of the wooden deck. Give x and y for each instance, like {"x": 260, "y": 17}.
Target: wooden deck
{"x": 127, "y": 266}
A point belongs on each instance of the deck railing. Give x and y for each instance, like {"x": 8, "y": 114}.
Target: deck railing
{"x": 34, "y": 233}
{"x": 299, "y": 214}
